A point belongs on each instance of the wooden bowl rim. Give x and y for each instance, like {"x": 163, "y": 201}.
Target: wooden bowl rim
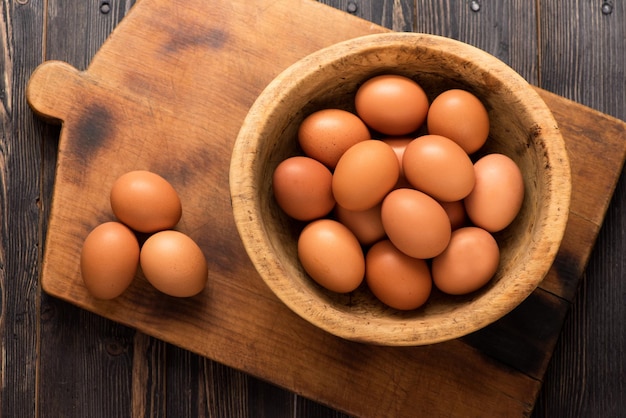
{"x": 482, "y": 311}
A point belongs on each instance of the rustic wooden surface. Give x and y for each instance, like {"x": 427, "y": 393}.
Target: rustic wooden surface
{"x": 49, "y": 369}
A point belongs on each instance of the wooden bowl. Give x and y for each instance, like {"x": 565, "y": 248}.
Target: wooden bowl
{"x": 522, "y": 127}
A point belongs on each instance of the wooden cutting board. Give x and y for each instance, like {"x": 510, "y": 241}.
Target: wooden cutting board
{"x": 168, "y": 92}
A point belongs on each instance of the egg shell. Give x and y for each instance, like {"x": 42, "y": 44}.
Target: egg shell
{"x": 391, "y": 104}
{"x": 439, "y": 167}
{"x": 145, "y": 201}
{"x": 366, "y": 225}
{"x": 302, "y": 187}
{"x": 109, "y": 259}
{"x": 396, "y": 279}
{"x": 415, "y": 223}
{"x": 398, "y": 144}
{"x": 456, "y": 213}
{"x": 498, "y": 194}
{"x": 468, "y": 263}
{"x": 461, "y": 116}
{"x": 174, "y": 264}
{"x": 331, "y": 255}
{"x": 326, "y": 134}
{"x": 365, "y": 174}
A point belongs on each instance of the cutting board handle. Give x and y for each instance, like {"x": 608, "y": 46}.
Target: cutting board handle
{"x": 52, "y": 90}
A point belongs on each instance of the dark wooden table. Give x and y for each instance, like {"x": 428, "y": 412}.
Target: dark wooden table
{"x": 58, "y": 360}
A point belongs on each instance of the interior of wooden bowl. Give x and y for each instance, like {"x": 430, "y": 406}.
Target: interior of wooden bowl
{"x": 522, "y": 127}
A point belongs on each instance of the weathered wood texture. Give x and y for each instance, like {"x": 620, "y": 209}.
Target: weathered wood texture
{"x": 48, "y": 369}
{"x": 21, "y": 217}
{"x": 583, "y": 57}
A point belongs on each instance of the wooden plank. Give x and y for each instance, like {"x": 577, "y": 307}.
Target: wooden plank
{"x": 494, "y": 27}
{"x": 20, "y": 159}
{"x": 567, "y": 68}
{"x": 149, "y": 378}
{"x": 266, "y": 399}
{"x": 583, "y": 58}
{"x": 397, "y": 15}
{"x": 110, "y": 348}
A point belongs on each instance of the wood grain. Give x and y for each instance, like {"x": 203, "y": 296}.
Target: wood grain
{"x": 495, "y": 27}
{"x": 93, "y": 127}
{"x": 584, "y": 63}
{"x": 397, "y": 15}
{"x": 20, "y": 234}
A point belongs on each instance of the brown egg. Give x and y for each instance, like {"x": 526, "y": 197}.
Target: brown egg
{"x": 303, "y": 188}
{"x": 364, "y": 174}
{"x": 460, "y": 116}
{"x": 456, "y": 213}
{"x": 391, "y": 104}
{"x": 468, "y": 263}
{"x": 326, "y": 134}
{"x": 366, "y": 225}
{"x": 439, "y": 167}
{"x": 145, "y": 201}
{"x": 109, "y": 260}
{"x": 398, "y": 144}
{"x": 174, "y": 264}
{"x": 331, "y": 255}
{"x": 498, "y": 194}
{"x": 398, "y": 280}
{"x": 415, "y": 223}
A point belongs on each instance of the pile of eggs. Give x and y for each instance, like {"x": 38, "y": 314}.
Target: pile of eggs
{"x": 144, "y": 204}
{"x": 398, "y": 195}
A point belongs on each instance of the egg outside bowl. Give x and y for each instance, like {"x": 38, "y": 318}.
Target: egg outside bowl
{"x": 522, "y": 127}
